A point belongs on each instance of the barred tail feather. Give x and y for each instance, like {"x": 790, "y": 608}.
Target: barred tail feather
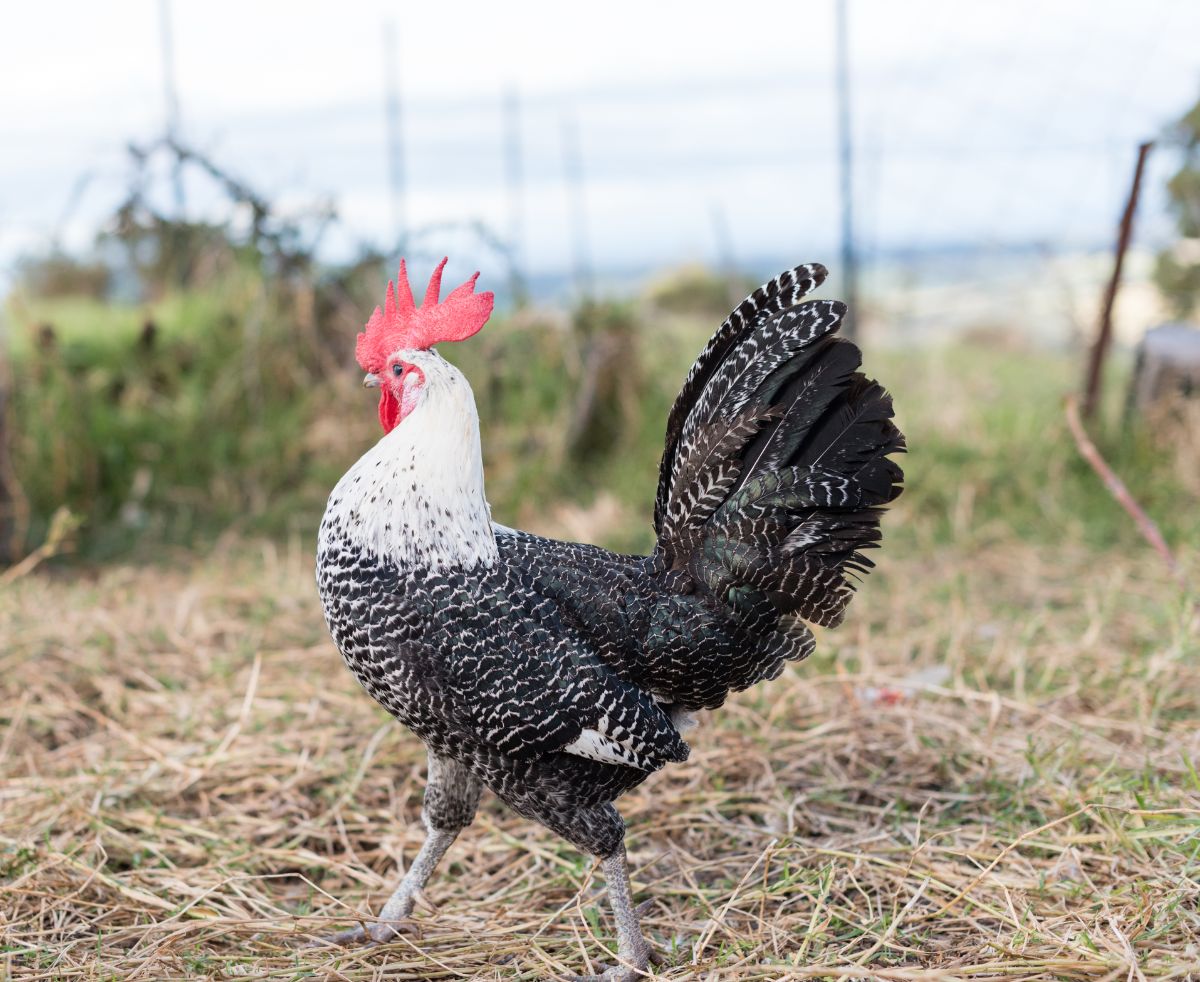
{"x": 784, "y": 291}
{"x": 777, "y": 468}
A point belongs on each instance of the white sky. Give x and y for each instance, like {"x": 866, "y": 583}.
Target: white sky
{"x": 978, "y": 123}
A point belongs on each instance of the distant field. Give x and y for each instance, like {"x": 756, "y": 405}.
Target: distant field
{"x": 230, "y": 413}
{"x": 191, "y": 783}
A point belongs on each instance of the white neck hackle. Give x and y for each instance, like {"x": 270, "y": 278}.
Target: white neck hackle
{"x": 416, "y": 499}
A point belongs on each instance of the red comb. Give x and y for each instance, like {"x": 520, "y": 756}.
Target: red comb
{"x": 401, "y": 324}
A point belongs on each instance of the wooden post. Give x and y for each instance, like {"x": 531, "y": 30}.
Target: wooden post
{"x": 13, "y": 508}
{"x": 395, "y": 138}
{"x": 573, "y": 178}
{"x": 726, "y": 264}
{"x": 1095, "y": 369}
{"x": 515, "y": 179}
{"x": 8, "y": 547}
{"x": 849, "y": 269}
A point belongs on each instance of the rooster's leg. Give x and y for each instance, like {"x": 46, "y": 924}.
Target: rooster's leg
{"x": 633, "y": 951}
{"x": 451, "y": 795}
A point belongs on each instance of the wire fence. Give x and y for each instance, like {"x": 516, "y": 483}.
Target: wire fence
{"x": 989, "y": 171}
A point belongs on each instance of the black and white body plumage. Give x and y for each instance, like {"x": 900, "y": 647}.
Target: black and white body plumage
{"x": 560, "y": 675}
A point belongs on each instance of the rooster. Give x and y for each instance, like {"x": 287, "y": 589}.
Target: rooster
{"x": 561, "y": 675}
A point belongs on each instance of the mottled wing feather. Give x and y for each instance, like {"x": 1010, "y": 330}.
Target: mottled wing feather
{"x": 526, "y": 683}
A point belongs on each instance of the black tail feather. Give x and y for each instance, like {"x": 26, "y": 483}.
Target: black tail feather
{"x": 777, "y": 466}
{"x": 819, "y": 380}
{"x": 781, "y": 293}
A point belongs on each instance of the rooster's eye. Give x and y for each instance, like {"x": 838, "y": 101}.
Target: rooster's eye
{"x": 397, "y": 370}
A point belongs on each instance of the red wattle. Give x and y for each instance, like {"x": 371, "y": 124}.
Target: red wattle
{"x": 389, "y": 410}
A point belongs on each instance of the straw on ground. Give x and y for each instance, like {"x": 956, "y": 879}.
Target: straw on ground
{"x": 191, "y": 781}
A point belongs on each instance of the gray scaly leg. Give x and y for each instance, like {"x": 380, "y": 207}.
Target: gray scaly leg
{"x": 451, "y": 795}
{"x": 633, "y": 951}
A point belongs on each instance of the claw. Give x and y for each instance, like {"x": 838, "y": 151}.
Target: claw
{"x": 380, "y": 932}
{"x": 423, "y": 901}
{"x": 635, "y": 971}
{"x": 616, "y": 973}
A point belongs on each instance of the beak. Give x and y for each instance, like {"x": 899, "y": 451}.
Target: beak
{"x": 371, "y": 381}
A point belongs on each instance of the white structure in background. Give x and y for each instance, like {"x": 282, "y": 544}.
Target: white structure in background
{"x": 1168, "y": 364}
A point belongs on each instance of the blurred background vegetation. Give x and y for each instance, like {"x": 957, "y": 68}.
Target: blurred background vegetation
{"x": 191, "y": 380}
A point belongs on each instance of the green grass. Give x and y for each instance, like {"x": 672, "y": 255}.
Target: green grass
{"x": 990, "y": 453}
{"x": 235, "y": 417}
{"x": 170, "y": 437}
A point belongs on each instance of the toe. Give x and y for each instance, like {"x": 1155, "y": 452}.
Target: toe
{"x": 385, "y": 931}
{"x": 381, "y": 932}
{"x": 354, "y": 935}
{"x": 615, "y": 973}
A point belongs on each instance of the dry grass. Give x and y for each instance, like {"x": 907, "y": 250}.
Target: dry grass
{"x": 193, "y": 785}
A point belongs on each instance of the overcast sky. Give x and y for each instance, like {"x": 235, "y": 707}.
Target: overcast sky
{"x": 976, "y": 123}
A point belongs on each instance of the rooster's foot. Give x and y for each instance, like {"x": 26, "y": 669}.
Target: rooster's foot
{"x": 631, "y": 969}
{"x": 380, "y": 932}
{"x": 635, "y": 970}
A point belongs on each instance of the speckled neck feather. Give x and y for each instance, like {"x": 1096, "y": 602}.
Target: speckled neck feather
{"x": 416, "y": 498}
